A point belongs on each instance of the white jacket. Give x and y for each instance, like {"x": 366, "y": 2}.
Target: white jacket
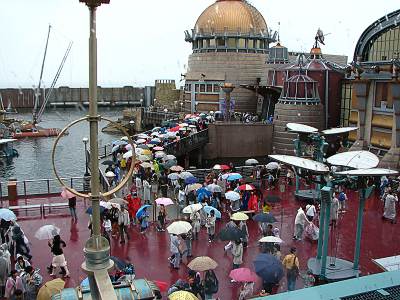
{"x": 300, "y": 217}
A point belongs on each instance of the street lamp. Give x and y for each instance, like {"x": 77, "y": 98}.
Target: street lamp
{"x": 195, "y": 106}
{"x": 181, "y": 106}
{"x": 131, "y": 127}
{"x": 165, "y": 111}
{"x": 85, "y": 140}
{"x": 141, "y": 103}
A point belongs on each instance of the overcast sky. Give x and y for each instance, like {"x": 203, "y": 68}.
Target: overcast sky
{"x": 143, "y": 40}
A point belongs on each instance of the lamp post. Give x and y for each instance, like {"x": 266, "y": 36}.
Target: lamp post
{"x": 165, "y": 112}
{"x": 227, "y": 88}
{"x": 97, "y": 249}
{"x": 195, "y": 106}
{"x": 141, "y": 103}
{"x": 85, "y": 140}
{"x": 181, "y": 106}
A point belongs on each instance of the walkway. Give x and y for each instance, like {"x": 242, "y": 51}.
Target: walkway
{"x": 149, "y": 252}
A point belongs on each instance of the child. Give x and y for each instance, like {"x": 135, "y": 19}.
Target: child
{"x": 210, "y": 224}
{"x": 237, "y": 252}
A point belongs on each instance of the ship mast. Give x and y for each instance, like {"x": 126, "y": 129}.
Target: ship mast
{"x": 37, "y": 93}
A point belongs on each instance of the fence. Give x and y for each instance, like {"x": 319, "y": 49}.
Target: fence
{"x": 187, "y": 144}
{"x": 37, "y": 187}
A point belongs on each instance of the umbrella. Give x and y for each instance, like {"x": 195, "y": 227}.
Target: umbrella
{"x": 192, "y": 208}
{"x": 47, "y": 232}
{"x": 271, "y": 239}
{"x": 110, "y": 174}
{"x": 155, "y": 141}
{"x": 243, "y": 275}
{"x": 193, "y": 187}
{"x": 202, "y": 263}
{"x": 233, "y": 176}
{"x": 247, "y": 187}
{"x": 85, "y": 283}
{"x": 125, "y": 138}
{"x": 232, "y": 196}
{"x": 191, "y": 180}
{"x": 230, "y": 234}
{"x": 127, "y": 154}
{"x": 144, "y": 158}
{"x": 268, "y": 267}
{"x": 140, "y": 211}
{"x": 182, "y": 295}
{"x": 155, "y": 134}
{"x": 142, "y": 136}
{"x": 179, "y": 227}
{"x": 185, "y": 175}
{"x": 146, "y": 152}
{"x": 89, "y": 210}
{"x": 7, "y": 215}
{"x": 183, "y": 125}
{"x": 119, "y": 201}
{"x": 115, "y": 148}
{"x": 173, "y": 176}
{"x": 164, "y": 201}
{"x": 208, "y": 210}
{"x": 65, "y": 194}
{"x": 50, "y": 289}
{"x": 158, "y": 148}
{"x": 156, "y": 129}
{"x": 251, "y": 162}
{"x": 203, "y": 192}
{"x": 140, "y": 141}
{"x": 272, "y": 165}
{"x": 162, "y": 285}
{"x": 170, "y": 163}
{"x": 159, "y": 154}
{"x": 146, "y": 165}
{"x": 272, "y": 199}
{"x": 221, "y": 167}
{"x": 105, "y": 204}
{"x": 119, "y": 142}
{"x": 176, "y": 168}
{"x": 128, "y": 147}
{"x": 239, "y": 216}
{"x": 170, "y": 157}
{"x": 264, "y": 218}
{"x": 174, "y": 129}
{"x": 107, "y": 163}
{"x": 143, "y": 146}
{"x": 214, "y": 188}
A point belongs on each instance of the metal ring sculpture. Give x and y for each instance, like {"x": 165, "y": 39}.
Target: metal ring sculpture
{"x": 126, "y": 177}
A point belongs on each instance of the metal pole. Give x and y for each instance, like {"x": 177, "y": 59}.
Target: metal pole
{"x": 326, "y": 237}
{"x": 322, "y": 221}
{"x": 359, "y": 230}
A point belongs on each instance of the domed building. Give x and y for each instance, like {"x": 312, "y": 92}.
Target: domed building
{"x": 230, "y": 42}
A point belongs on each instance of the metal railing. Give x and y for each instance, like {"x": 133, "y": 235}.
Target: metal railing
{"x": 187, "y": 144}
{"x": 37, "y": 187}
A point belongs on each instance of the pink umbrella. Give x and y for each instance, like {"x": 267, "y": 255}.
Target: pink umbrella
{"x": 65, "y": 194}
{"x": 128, "y": 147}
{"x": 164, "y": 201}
{"x": 243, "y": 275}
{"x": 158, "y": 148}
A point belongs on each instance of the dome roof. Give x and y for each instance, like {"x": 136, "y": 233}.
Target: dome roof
{"x": 231, "y": 16}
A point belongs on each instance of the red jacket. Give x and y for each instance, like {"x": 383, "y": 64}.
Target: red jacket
{"x": 253, "y": 203}
{"x": 134, "y": 203}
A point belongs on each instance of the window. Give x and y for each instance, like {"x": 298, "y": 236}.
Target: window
{"x": 386, "y": 46}
{"x": 200, "y": 44}
{"x": 383, "y": 96}
{"x": 220, "y": 42}
{"x": 196, "y": 88}
{"x": 209, "y": 88}
{"x": 345, "y": 105}
{"x": 232, "y": 43}
{"x": 241, "y": 43}
{"x": 251, "y": 44}
{"x": 216, "y": 88}
{"x": 212, "y": 43}
{"x": 202, "y": 88}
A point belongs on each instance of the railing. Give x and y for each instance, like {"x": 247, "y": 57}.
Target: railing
{"x": 187, "y": 144}
{"x": 37, "y": 187}
{"x": 245, "y": 171}
{"x": 156, "y": 117}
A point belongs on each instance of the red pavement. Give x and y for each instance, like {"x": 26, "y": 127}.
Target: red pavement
{"x": 149, "y": 252}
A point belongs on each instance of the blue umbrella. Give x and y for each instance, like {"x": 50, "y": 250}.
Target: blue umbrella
{"x": 191, "y": 180}
{"x": 141, "y": 210}
{"x": 119, "y": 142}
{"x": 90, "y": 210}
{"x": 208, "y": 210}
{"x": 264, "y": 218}
{"x": 7, "y": 215}
{"x": 268, "y": 267}
{"x": 234, "y": 176}
{"x": 85, "y": 283}
{"x": 202, "y": 193}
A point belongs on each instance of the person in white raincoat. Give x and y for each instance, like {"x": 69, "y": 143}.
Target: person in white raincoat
{"x": 389, "y": 211}
{"x": 299, "y": 223}
{"x": 146, "y": 191}
{"x": 195, "y": 218}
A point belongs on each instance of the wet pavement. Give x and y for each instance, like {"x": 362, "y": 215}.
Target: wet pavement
{"x": 149, "y": 252}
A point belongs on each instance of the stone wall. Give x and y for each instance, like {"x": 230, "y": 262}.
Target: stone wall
{"x": 167, "y": 94}
{"x": 238, "y": 140}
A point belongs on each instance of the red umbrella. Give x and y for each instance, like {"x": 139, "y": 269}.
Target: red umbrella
{"x": 163, "y": 286}
{"x": 174, "y": 129}
{"x": 225, "y": 167}
{"x": 65, "y": 194}
{"x": 243, "y": 275}
{"x": 247, "y": 187}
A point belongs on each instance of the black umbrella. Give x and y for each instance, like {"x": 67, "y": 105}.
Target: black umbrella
{"x": 264, "y": 218}
{"x": 272, "y": 199}
{"x": 268, "y": 267}
{"x": 230, "y": 234}
{"x": 143, "y": 146}
{"x": 107, "y": 163}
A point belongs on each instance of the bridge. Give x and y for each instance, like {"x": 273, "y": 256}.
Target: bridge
{"x": 156, "y": 118}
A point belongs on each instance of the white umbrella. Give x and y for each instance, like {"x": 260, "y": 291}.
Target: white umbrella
{"x": 185, "y": 175}
{"x": 192, "y": 208}
{"x": 115, "y": 148}
{"x": 217, "y": 167}
{"x": 128, "y": 147}
{"x": 183, "y": 125}
{"x": 160, "y": 154}
{"x": 47, "y": 232}
{"x": 110, "y": 174}
{"x": 251, "y": 162}
{"x": 124, "y": 138}
{"x": 140, "y": 141}
{"x": 272, "y": 165}
{"x": 147, "y": 165}
{"x": 7, "y": 215}
{"x": 214, "y": 188}
{"x": 144, "y": 158}
{"x": 127, "y": 154}
{"x": 142, "y": 136}
{"x": 193, "y": 187}
{"x": 170, "y": 157}
{"x": 156, "y": 140}
{"x": 176, "y": 168}
{"x": 179, "y": 227}
{"x": 271, "y": 239}
{"x": 173, "y": 176}
{"x": 232, "y": 196}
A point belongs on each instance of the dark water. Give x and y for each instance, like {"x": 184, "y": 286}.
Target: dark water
{"x": 34, "y": 161}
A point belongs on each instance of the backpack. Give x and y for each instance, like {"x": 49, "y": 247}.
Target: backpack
{"x": 342, "y": 197}
{"x": 211, "y": 283}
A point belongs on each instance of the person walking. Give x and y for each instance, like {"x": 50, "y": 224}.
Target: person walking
{"x": 310, "y": 212}
{"x": 19, "y": 239}
{"x": 163, "y": 182}
{"x": 299, "y": 224}
{"x": 14, "y": 283}
{"x": 237, "y": 253}
{"x": 21, "y": 264}
{"x": 162, "y": 216}
{"x": 210, "y": 284}
{"x": 245, "y": 230}
{"x": 188, "y": 242}
{"x": 139, "y": 186}
{"x": 291, "y": 264}
{"x": 72, "y": 208}
{"x": 210, "y": 225}
{"x": 144, "y": 221}
{"x": 32, "y": 282}
{"x": 4, "y": 271}
{"x": 175, "y": 258}
{"x": 334, "y": 210}
{"x": 123, "y": 222}
{"x": 342, "y": 201}
{"x": 390, "y": 200}
{"x": 146, "y": 191}
{"x": 195, "y": 218}
{"x": 56, "y": 245}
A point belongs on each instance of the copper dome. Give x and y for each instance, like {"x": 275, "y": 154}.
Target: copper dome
{"x": 231, "y": 16}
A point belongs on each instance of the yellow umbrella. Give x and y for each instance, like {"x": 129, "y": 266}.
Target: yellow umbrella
{"x": 239, "y": 216}
{"x": 202, "y": 263}
{"x": 50, "y": 288}
{"x": 146, "y": 152}
{"x": 182, "y": 295}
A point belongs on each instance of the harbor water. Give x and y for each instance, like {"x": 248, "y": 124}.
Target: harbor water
{"x": 34, "y": 160}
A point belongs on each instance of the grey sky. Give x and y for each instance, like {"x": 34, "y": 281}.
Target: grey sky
{"x": 142, "y": 40}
